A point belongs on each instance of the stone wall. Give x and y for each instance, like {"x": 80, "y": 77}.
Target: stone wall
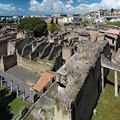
{"x": 34, "y": 44}
{"x": 38, "y": 50}
{"x": 57, "y": 62}
{"x": 24, "y": 33}
{"x": 63, "y": 42}
{"x": 81, "y": 83}
{"x": 54, "y": 51}
{"x": 46, "y": 50}
{"x": 8, "y": 62}
{"x": 20, "y": 35}
{"x": 11, "y": 47}
{"x": 27, "y": 49}
{"x": 38, "y": 67}
{"x": 21, "y": 43}
{"x": 67, "y": 52}
{"x": 88, "y": 95}
{"x": 101, "y": 37}
{"x": 3, "y": 47}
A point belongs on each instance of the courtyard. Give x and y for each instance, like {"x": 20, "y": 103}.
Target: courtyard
{"x": 108, "y": 105}
{"x": 9, "y": 105}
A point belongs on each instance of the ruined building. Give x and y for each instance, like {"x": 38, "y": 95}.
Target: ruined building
{"x": 78, "y": 84}
{"x": 70, "y": 68}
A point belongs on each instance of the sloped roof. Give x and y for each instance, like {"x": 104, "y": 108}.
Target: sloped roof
{"x": 3, "y": 38}
{"x": 46, "y": 77}
{"x": 111, "y": 31}
{"x": 113, "y": 36}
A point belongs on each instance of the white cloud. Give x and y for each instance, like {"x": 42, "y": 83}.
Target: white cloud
{"x": 79, "y": 1}
{"x": 8, "y": 7}
{"x": 47, "y": 6}
{"x": 82, "y": 1}
{"x": 20, "y": 9}
{"x": 53, "y": 6}
{"x": 69, "y": 2}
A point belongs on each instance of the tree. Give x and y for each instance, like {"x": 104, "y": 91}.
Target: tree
{"x": 112, "y": 10}
{"x": 52, "y": 27}
{"x": 0, "y": 26}
{"x": 57, "y": 21}
{"x": 4, "y": 20}
{"x": 52, "y": 21}
{"x": 38, "y": 25}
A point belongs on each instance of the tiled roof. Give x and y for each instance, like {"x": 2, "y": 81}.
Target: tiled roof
{"x": 4, "y": 38}
{"x": 46, "y": 77}
{"x": 111, "y": 31}
{"x": 113, "y": 36}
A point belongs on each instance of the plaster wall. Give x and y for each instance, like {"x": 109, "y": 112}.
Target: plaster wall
{"x": 8, "y": 62}
{"x": 3, "y": 47}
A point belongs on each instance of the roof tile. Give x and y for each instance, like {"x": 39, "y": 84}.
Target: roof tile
{"x": 111, "y": 31}
{"x": 46, "y": 77}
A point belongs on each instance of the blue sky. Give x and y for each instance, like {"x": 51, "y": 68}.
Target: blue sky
{"x": 27, "y": 7}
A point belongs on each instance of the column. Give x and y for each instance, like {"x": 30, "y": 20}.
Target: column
{"x": 104, "y": 37}
{"x": 24, "y": 96}
{"x": 6, "y": 86}
{"x": 17, "y": 90}
{"x": 115, "y": 48}
{"x": 31, "y": 95}
{"x": 116, "y": 84}
{"x": 1, "y": 82}
{"x": 11, "y": 86}
{"x": 102, "y": 73}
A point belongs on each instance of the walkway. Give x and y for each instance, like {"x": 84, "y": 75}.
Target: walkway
{"x": 19, "y": 76}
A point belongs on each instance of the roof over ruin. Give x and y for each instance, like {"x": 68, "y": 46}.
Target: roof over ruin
{"x": 110, "y": 35}
{"x": 111, "y": 31}
{"x": 46, "y": 77}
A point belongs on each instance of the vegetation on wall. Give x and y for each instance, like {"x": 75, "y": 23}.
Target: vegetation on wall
{"x": 38, "y": 25}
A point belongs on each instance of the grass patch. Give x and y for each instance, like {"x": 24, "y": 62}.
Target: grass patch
{"x": 108, "y": 106}
{"x": 115, "y": 23}
{"x": 11, "y": 105}
{"x": 29, "y": 117}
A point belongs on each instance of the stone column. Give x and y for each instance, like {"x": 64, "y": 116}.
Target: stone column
{"x": 102, "y": 73}
{"x": 104, "y": 37}
{"x": 11, "y": 86}
{"x": 6, "y": 86}
{"x": 115, "y": 48}
{"x": 24, "y": 96}
{"x": 116, "y": 84}
{"x": 17, "y": 90}
{"x": 1, "y": 82}
{"x": 31, "y": 95}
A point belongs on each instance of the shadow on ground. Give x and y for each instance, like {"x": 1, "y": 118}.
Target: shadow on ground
{"x": 5, "y": 99}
